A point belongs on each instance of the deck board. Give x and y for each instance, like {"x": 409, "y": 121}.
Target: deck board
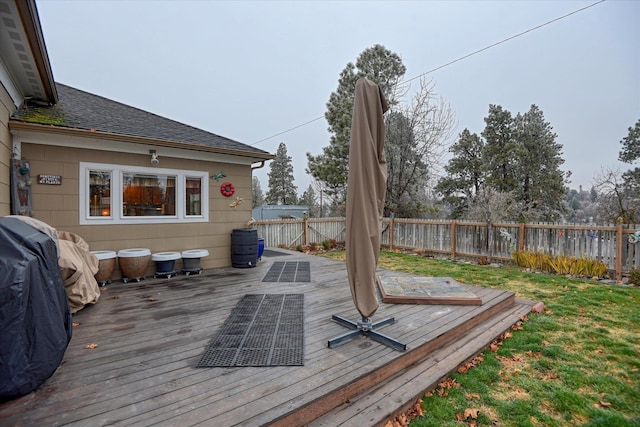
{"x": 151, "y": 335}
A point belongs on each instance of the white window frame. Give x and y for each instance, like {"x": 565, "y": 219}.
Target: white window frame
{"x": 116, "y": 216}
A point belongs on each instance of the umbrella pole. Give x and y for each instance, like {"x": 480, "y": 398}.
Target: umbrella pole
{"x": 367, "y": 328}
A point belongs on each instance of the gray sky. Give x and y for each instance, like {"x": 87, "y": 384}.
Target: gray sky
{"x": 250, "y": 70}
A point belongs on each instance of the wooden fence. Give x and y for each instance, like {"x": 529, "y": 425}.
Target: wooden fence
{"x": 466, "y": 239}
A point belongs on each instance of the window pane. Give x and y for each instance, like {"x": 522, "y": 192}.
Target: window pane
{"x": 100, "y": 192}
{"x": 194, "y": 193}
{"x": 148, "y": 195}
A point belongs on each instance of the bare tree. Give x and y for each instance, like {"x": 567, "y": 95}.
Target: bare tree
{"x": 617, "y": 202}
{"x": 418, "y": 134}
{"x": 493, "y": 206}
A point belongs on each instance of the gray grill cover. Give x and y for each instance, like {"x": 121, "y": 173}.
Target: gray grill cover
{"x": 35, "y": 320}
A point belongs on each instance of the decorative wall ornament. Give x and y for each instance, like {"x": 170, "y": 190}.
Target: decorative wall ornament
{"x": 227, "y": 189}
{"x": 236, "y": 202}
{"x": 218, "y": 176}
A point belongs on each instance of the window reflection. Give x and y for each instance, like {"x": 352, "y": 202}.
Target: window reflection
{"x": 194, "y": 193}
{"x": 100, "y": 191}
{"x": 148, "y": 195}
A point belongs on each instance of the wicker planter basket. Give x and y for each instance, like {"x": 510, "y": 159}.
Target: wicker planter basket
{"x": 106, "y": 266}
{"x": 134, "y": 262}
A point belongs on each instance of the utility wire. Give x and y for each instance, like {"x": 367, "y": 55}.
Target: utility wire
{"x": 451, "y": 62}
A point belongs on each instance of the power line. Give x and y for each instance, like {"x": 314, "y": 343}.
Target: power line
{"x": 452, "y": 62}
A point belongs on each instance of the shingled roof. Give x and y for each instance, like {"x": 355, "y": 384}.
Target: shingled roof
{"x": 77, "y": 109}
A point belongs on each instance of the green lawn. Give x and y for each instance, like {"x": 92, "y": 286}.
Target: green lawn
{"x": 578, "y": 363}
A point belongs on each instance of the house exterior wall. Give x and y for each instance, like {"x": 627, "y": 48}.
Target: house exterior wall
{"x": 58, "y": 205}
{"x": 6, "y": 108}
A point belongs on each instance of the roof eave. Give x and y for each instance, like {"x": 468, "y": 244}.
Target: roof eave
{"x": 31, "y": 24}
{"x": 16, "y": 125}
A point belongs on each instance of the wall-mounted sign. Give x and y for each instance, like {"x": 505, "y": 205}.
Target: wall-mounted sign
{"x": 50, "y": 179}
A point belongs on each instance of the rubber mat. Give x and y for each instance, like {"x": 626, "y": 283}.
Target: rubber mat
{"x": 271, "y": 252}
{"x": 262, "y": 330}
{"x": 289, "y": 271}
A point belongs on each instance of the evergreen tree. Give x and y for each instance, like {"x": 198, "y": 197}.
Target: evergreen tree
{"x": 384, "y": 68}
{"x": 308, "y": 198}
{"x": 540, "y": 182}
{"x": 630, "y": 153}
{"x": 501, "y": 149}
{"x": 519, "y": 160}
{"x": 465, "y": 173}
{"x": 257, "y": 196}
{"x": 282, "y": 190}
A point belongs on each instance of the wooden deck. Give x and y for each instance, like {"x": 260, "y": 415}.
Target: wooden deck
{"x": 150, "y": 336}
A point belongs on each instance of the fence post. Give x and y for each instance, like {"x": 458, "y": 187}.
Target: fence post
{"x": 619, "y": 243}
{"x": 489, "y": 241}
{"x": 521, "y": 238}
{"x": 306, "y": 228}
{"x": 453, "y": 240}
{"x": 391, "y": 232}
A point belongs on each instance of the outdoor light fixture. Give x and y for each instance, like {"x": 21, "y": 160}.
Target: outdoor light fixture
{"x": 154, "y": 157}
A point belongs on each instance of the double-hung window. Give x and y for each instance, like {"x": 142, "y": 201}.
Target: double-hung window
{"x": 118, "y": 194}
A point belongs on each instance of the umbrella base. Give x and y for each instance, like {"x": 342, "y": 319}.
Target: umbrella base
{"x": 366, "y": 328}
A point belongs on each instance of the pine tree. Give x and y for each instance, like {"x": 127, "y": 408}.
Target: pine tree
{"x": 518, "y": 162}
{"x": 630, "y": 153}
{"x": 500, "y": 151}
{"x": 282, "y": 190}
{"x": 308, "y": 198}
{"x": 465, "y": 173}
{"x": 383, "y": 67}
{"x": 540, "y": 181}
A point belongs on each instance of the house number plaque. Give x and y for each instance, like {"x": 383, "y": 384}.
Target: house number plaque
{"x": 50, "y": 179}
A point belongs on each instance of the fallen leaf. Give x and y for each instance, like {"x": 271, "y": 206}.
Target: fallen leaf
{"x": 442, "y": 392}
{"x": 507, "y": 335}
{"x": 494, "y": 347}
{"x": 471, "y": 412}
{"x": 473, "y": 396}
{"x": 91, "y": 346}
{"x": 546, "y": 343}
{"x": 151, "y": 299}
{"x": 599, "y": 351}
{"x": 75, "y": 324}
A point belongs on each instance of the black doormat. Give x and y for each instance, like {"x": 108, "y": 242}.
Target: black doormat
{"x": 271, "y": 252}
{"x": 262, "y": 330}
{"x": 289, "y": 271}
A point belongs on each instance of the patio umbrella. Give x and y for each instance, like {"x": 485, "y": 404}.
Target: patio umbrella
{"x": 367, "y": 184}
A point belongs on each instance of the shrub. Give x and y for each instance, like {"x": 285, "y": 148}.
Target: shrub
{"x": 561, "y": 264}
{"x": 594, "y": 268}
{"x": 634, "y": 276}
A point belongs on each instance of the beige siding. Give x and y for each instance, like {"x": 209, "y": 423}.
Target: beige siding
{"x": 6, "y": 108}
{"x": 58, "y": 205}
